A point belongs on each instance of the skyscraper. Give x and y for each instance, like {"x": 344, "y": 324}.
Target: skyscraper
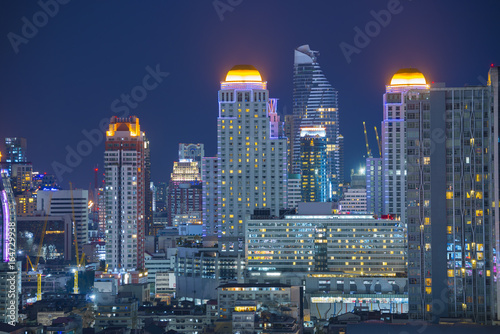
{"x": 313, "y": 168}
{"x": 374, "y": 186}
{"x": 124, "y": 162}
{"x": 148, "y": 192}
{"x": 393, "y": 138}
{"x": 9, "y": 291}
{"x": 315, "y": 103}
{"x": 16, "y": 148}
{"x": 452, "y": 187}
{"x": 252, "y": 163}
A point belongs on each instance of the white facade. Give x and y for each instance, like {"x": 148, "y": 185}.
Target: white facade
{"x": 125, "y": 198}
{"x": 354, "y": 200}
{"x": 252, "y": 164}
{"x": 394, "y": 140}
{"x": 60, "y": 203}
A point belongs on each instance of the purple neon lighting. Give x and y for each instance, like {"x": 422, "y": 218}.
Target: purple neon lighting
{"x": 5, "y": 231}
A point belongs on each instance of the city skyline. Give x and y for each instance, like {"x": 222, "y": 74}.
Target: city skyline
{"x": 68, "y": 90}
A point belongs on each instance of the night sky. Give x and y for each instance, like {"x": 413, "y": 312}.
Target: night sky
{"x": 67, "y": 74}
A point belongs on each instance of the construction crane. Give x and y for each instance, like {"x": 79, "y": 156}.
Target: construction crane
{"x": 34, "y": 268}
{"x": 369, "y": 153}
{"x": 80, "y": 262}
{"x": 378, "y": 142}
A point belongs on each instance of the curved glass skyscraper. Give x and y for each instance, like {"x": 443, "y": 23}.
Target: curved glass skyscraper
{"x": 315, "y": 103}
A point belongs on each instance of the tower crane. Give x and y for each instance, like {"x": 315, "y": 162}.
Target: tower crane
{"x": 368, "y": 151}
{"x": 378, "y": 142}
{"x": 34, "y": 268}
{"x": 80, "y": 262}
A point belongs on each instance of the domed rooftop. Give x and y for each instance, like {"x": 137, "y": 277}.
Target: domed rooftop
{"x": 243, "y": 73}
{"x": 408, "y": 77}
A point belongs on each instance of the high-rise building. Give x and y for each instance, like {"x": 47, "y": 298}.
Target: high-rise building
{"x": 313, "y": 169}
{"x": 194, "y": 152}
{"x": 315, "y": 103}
{"x": 209, "y": 177}
{"x": 374, "y": 186}
{"x": 9, "y": 271}
{"x": 393, "y": 138}
{"x": 184, "y": 189}
{"x": 124, "y": 160}
{"x": 452, "y": 187}
{"x": 251, "y": 162}
{"x": 68, "y": 202}
{"x": 16, "y": 148}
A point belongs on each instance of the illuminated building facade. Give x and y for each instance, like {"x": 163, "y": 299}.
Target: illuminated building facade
{"x": 68, "y": 202}
{"x": 393, "y": 138}
{"x": 161, "y": 196}
{"x": 21, "y": 177}
{"x": 210, "y": 205}
{"x": 315, "y": 103}
{"x": 252, "y": 163}
{"x": 184, "y": 189}
{"x": 354, "y": 244}
{"x": 313, "y": 169}
{"x": 452, "y": 152}
{"x": 9, "y": 271}
{"x": 16, "y": 148}
{"x": 148, "y": 192}
{"x": 124, "y": 164}
{"x": 26, "y": 204}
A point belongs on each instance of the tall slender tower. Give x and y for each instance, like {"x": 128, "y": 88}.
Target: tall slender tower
{"x": 393, "y": 138}
{"x": 16, "y": 148}
{"x": 124, "y": 161}
{"x": 315, "y": 103}
{"x": 251, "y": 159}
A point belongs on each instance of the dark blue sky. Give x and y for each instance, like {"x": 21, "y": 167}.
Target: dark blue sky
{"x": 65, "y": 77}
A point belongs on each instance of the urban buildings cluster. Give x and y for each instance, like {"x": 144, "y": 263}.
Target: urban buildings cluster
{"x": 266, "y": 236}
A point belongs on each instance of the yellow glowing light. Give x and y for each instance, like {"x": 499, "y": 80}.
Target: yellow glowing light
{"x": 408, "y": 77}
{"x": 243, "y": 73}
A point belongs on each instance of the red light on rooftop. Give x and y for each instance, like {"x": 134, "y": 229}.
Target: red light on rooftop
{"x": 433, "y": 82}
{"x": 492, "y": 65}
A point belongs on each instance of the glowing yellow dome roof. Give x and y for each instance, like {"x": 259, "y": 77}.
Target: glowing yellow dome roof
{"x": 243, "y": 73}
{"x": 408, "y": 77}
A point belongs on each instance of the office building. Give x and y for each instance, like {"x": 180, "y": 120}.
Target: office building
{"x": 313, "y": 169}
{"x": 350, "y": 244}
{"x": 68, "y": 202}
{"x": 15, "y": 148}
{"x": 315, "y": 103}
{"x": 251, "y": 162}
{"x": 354, "y": 199}
{"x": 9, "y": 271}
{"x": 124, "y": 164}
{"x": 393, "y": 139}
